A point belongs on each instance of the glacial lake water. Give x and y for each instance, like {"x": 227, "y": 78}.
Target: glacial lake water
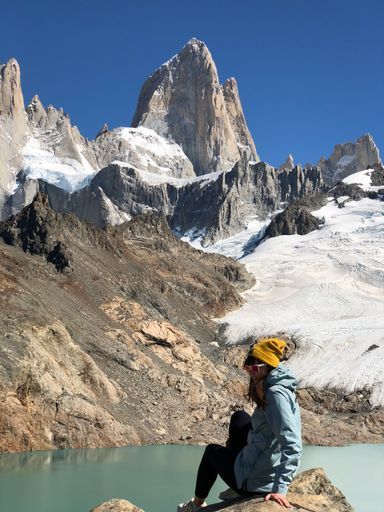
{"x": 156, "y": 478}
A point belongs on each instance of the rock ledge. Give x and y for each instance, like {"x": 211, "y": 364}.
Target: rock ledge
{"x": 310, "y": 491}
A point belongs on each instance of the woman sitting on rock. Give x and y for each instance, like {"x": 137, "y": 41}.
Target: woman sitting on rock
{"x": 262, "y": 453}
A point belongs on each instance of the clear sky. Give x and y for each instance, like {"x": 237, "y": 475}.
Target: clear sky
{"x": 310, "y": 72}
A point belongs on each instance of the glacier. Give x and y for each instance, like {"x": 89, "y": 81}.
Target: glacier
{"x": 64, "y": 172}
{"x": 326, "y": 290}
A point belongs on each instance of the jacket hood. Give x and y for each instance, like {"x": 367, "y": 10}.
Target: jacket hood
{"x": 281, "y": 376}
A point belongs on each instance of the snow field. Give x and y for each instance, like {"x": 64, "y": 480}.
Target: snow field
{"x": 326, "y": 289}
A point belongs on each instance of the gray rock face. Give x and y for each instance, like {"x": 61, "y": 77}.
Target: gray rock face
{"x": 293, "y": 220}
{"x": 13, "y": 126}
{"x": 183, "y": 101}
{"x": 215, "y": 206}
{"x": 349, "y": 158}
{"x": 237, "y": 119}
{"x": 54, "y": 132}
{"x": 33, "y": 233}
{"x": 377, "y": 176}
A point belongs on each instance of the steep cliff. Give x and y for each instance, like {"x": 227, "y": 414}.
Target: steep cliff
{"x": 184, "y": 101}
{"x": 213, "y": 206}
{"x": 237, "y": 119}
{"x": 13, "y": 126}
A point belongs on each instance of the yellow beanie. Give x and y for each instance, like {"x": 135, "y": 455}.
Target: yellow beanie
{"x": 268, "y": 350}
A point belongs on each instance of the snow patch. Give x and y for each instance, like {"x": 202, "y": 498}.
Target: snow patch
{"x": 147, "y": 141}
{"x": 143, "y": 148}
{"x": 345, "y": 160}
{"x": 63, "y": 172}
{"x": 158, "y": 179}
{"x": 363, "y": 179}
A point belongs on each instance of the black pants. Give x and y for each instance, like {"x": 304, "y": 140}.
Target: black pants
{"x": 220, "y": 460}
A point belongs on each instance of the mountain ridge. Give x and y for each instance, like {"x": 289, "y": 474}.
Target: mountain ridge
{"x": 54, "y": 152}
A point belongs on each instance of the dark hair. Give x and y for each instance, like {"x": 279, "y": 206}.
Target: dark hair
{"x": 256, "y": 390}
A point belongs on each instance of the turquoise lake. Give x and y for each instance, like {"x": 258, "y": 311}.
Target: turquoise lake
{"x": 156, "y": 478}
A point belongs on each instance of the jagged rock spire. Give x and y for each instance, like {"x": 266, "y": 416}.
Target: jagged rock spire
{"x": 13, "y": 125}
{"x": 11, "y": 96}
{"x": 237, "y": 119}
{"x": 103, "y": 129}
{"x": 184, "y": 101}
{"x": 288, "y": 165}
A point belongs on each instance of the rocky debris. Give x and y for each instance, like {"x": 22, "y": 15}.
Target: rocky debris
{"x": 13, "y": 126}
{"x": 311, "y": 491}
{"x": 117, "y": 505}
{"x": 237, "y": 119}
{"x": 296, "y": 218}
{"x": 334, "y": 401}
{"x": 105, "y": 354}
{"x": 184, "y": 101}
{"x": 289, "y": 164}
{"x": 57, "y": 394}
{"x": 345, "y": 192}
{"x": 142, "y": 148}
{"x": 349, "y": 158}
{"x": 353, "y": 414}
{"x": 348, "y": 191}
{"x": 36, "y": 231}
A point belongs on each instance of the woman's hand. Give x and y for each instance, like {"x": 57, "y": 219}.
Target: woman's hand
{"x": 281, "y": 499}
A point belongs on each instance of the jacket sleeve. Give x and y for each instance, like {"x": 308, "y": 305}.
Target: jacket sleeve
{"x": 283, "y": 416}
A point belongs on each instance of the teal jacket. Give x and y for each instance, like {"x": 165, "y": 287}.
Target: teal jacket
{"x": 271, "y": 457}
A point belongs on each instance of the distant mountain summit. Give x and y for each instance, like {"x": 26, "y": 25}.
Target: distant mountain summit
{"x": 350, "y": 158}
{"x": 184, "y": 101}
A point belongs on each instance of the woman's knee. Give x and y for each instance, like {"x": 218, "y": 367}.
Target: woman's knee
{"x": 211, "y": 448}
{"x": 239, "y": 419}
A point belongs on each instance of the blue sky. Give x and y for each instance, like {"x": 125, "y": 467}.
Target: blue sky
{"x": 310, "y": 72}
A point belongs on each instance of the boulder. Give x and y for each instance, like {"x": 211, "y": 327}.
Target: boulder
{"x": 117, "y": 506}
{"x": 310, "y": 491}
